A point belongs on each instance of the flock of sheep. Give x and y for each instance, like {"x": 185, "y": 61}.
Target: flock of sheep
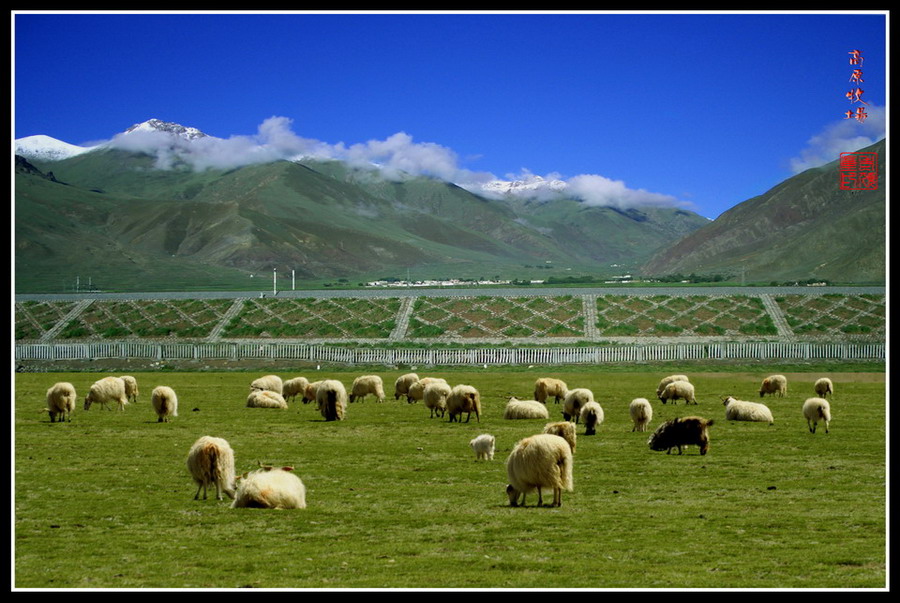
{"x": 540, "y": 462}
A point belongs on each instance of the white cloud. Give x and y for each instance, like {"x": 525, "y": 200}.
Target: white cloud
{"x": 839, "y": 137}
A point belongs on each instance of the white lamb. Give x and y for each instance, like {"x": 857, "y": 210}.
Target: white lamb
{"x": 435, "y": 397}
{"x": 641, "y": 414}
{"x": 575, "y": 399}
{"x": 331, "y": 400}
{"x": 525, "y": 409}
{"x": 401, "y": 385}
{"x": 773, "y": 384}
{"x": 464, "y": 399}
{"x": 542, "y": 461}
{"x": 547, "y": 387}
{"x": 271, "y": 383}
{"x": 741, "y": 410}
{"x": 270, "y": 488}
{"x": 210, "y": 462}
{"x": 815, "y": 410}
{"x": 131, "y": 388}
{"x": 565, "y": 430}
{"x": 667, "y": 380}
{"x": 165, "y": 403}
{"x": 678, "y": 389}
{"x": 292, "y": 388}
{"x": 483, "y": 446}
{"x": 592, "y": 416}
{"x": 106, "y": 390}
{"x": 263, "y": 398}
{"x": 365, "y": 385}
{"x": 416, "y": 390}
{"x": 823, "y": 387}
{"x": 61, "y": 399}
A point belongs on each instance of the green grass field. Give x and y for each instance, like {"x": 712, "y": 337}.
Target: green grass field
{"x": 397, "y": 500}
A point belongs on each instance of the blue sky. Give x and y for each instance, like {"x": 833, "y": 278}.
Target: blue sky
{"x": 703, "y": 110}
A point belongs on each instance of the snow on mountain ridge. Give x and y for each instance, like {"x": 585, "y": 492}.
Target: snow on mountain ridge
{"x": 157, "y": 125}
{"x": 47, "y": 148}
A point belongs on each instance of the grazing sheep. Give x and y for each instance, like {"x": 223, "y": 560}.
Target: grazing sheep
{"x": 546, "y": 387}
{"x": 165, "y": 403}
{"x": 263, "y": 398}
{"x": 309, "y": 394}
{"x": 106, "y": 390}
{"x": 61, "y": 398}
{"x": 525, "y": 409}
{"x": 464, "y": 399}
{"x": 667, "y": 380}
{"x": 815, "y": 410}
{"x": 641, "y": 413}
{"x": 416, "y": 390}
{"x": 678, "y": 389}
{"x": 592, "y": 417}
{"x": 131, "y": 388}
{"x": 292, "y": 388}
{"x": 774, "y": 384}
{"x": 435, "y": 397}
{"x": 271, "y": 383}
{"x": 365, "y": 385}
{"x": 211, "y": 461}
{"x": 741, "y": 410}
{"x": 331, "y": 400}
{"x": 401, "y": 385}
{"x": 270, "y": 488}
{"x": 537, "y": 462}
{"x": 823, "y": 387}
{"x": 680, "y": 432}
{"x": 575, "y": 399}
{"x": 563, "y": 429}
{"x": 483, "y": 446}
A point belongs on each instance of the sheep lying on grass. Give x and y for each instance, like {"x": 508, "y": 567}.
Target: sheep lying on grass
{"x": 815, "y": 410}
{"x": 331, "y": 400}
{"x": 61, "y": 399}
{"x": 435, "y": 398}
{"x": 591, "y": 417}
{"x": 271, "y": 383}
{"x": 681, "y": 432}
{"x": 563, "y": 429}
{"x": 210, "y": 462}
{"x": 401, "y": 385}
{"x": 678, "y": 389}
{"x": 774, "y": 384}
{"x": 525, "y": 409}
{"x": 575, "y": 399}
{"x": 365, "y": 385}
{"x": 667, "y": 380}
{"x": 483, "y": 446}
{"x": 542, "y": 461}
{"x": 264, "y": 398}
{"x": 641, "y": 414}
{"x": 292, "y": 388}
{"x": 547, "y": 387}
{"x": 165, "y": 403}
{"x": 131, "y": 388}
{"x": 464, "y": 399}
{"x": 106, "y": 390}
{"x": 823, "y": 387}
{"x": 270, "y": 488}
{"x": 741, "y": 410}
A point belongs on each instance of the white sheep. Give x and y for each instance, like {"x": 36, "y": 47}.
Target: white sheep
{"x": 435, "y": 397}
{"x": 264, "y": 398}
{"x": 525, "y": 409}
{"x": 291, "y": 388}
{"x": 815, "y": 410}
{"x": 331, "y": 400}
{"x": 667, "y": 380}
{"x": 106, "y": 390}
{"x": 591, "y": 416}
{"x": 464, "y": 399}
{"x": 401, "y": 385}
{"x": 575, "y": 399}
{"x": 483, "y": 446}
{"x": 741, "y": 410}
{"x": 641, "y": 413}
{"x": 773, "y": 384}
{"x": 271, "y": 383}
{"x": 131, "y": 388}
{"x": 678, "y": 389}
{"x": 823, "y": 387}
{"x": 165, "y": 403}
{"x": 365, "y": 385}
{"x": 61, "y": 399}
{"x": 309, "y": 393}
{"x": 538, "y": 462}
{"x": 270, "y": 488}
{"x": 547, "y": 387}
{"x": 210, "y": 462}
{"x": 416, "y": 390}
{"x": 565, "y": 430}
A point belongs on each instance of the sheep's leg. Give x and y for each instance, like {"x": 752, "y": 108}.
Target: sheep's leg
{"x": 557, "y": 497}
{"x": 197, "y": 495}
{"x": 540, "y": 498}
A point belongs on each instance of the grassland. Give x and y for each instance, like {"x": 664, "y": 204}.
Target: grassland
{"x": 397, "y": 500}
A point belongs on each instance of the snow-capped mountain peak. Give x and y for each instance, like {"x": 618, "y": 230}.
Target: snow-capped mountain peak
{"x": 157, "y": 125}
{"x": 47, "y": 148}
{"x": 530, "y": 185}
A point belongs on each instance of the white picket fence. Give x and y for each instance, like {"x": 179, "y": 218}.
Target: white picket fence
{"x": 449, "y": 357}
